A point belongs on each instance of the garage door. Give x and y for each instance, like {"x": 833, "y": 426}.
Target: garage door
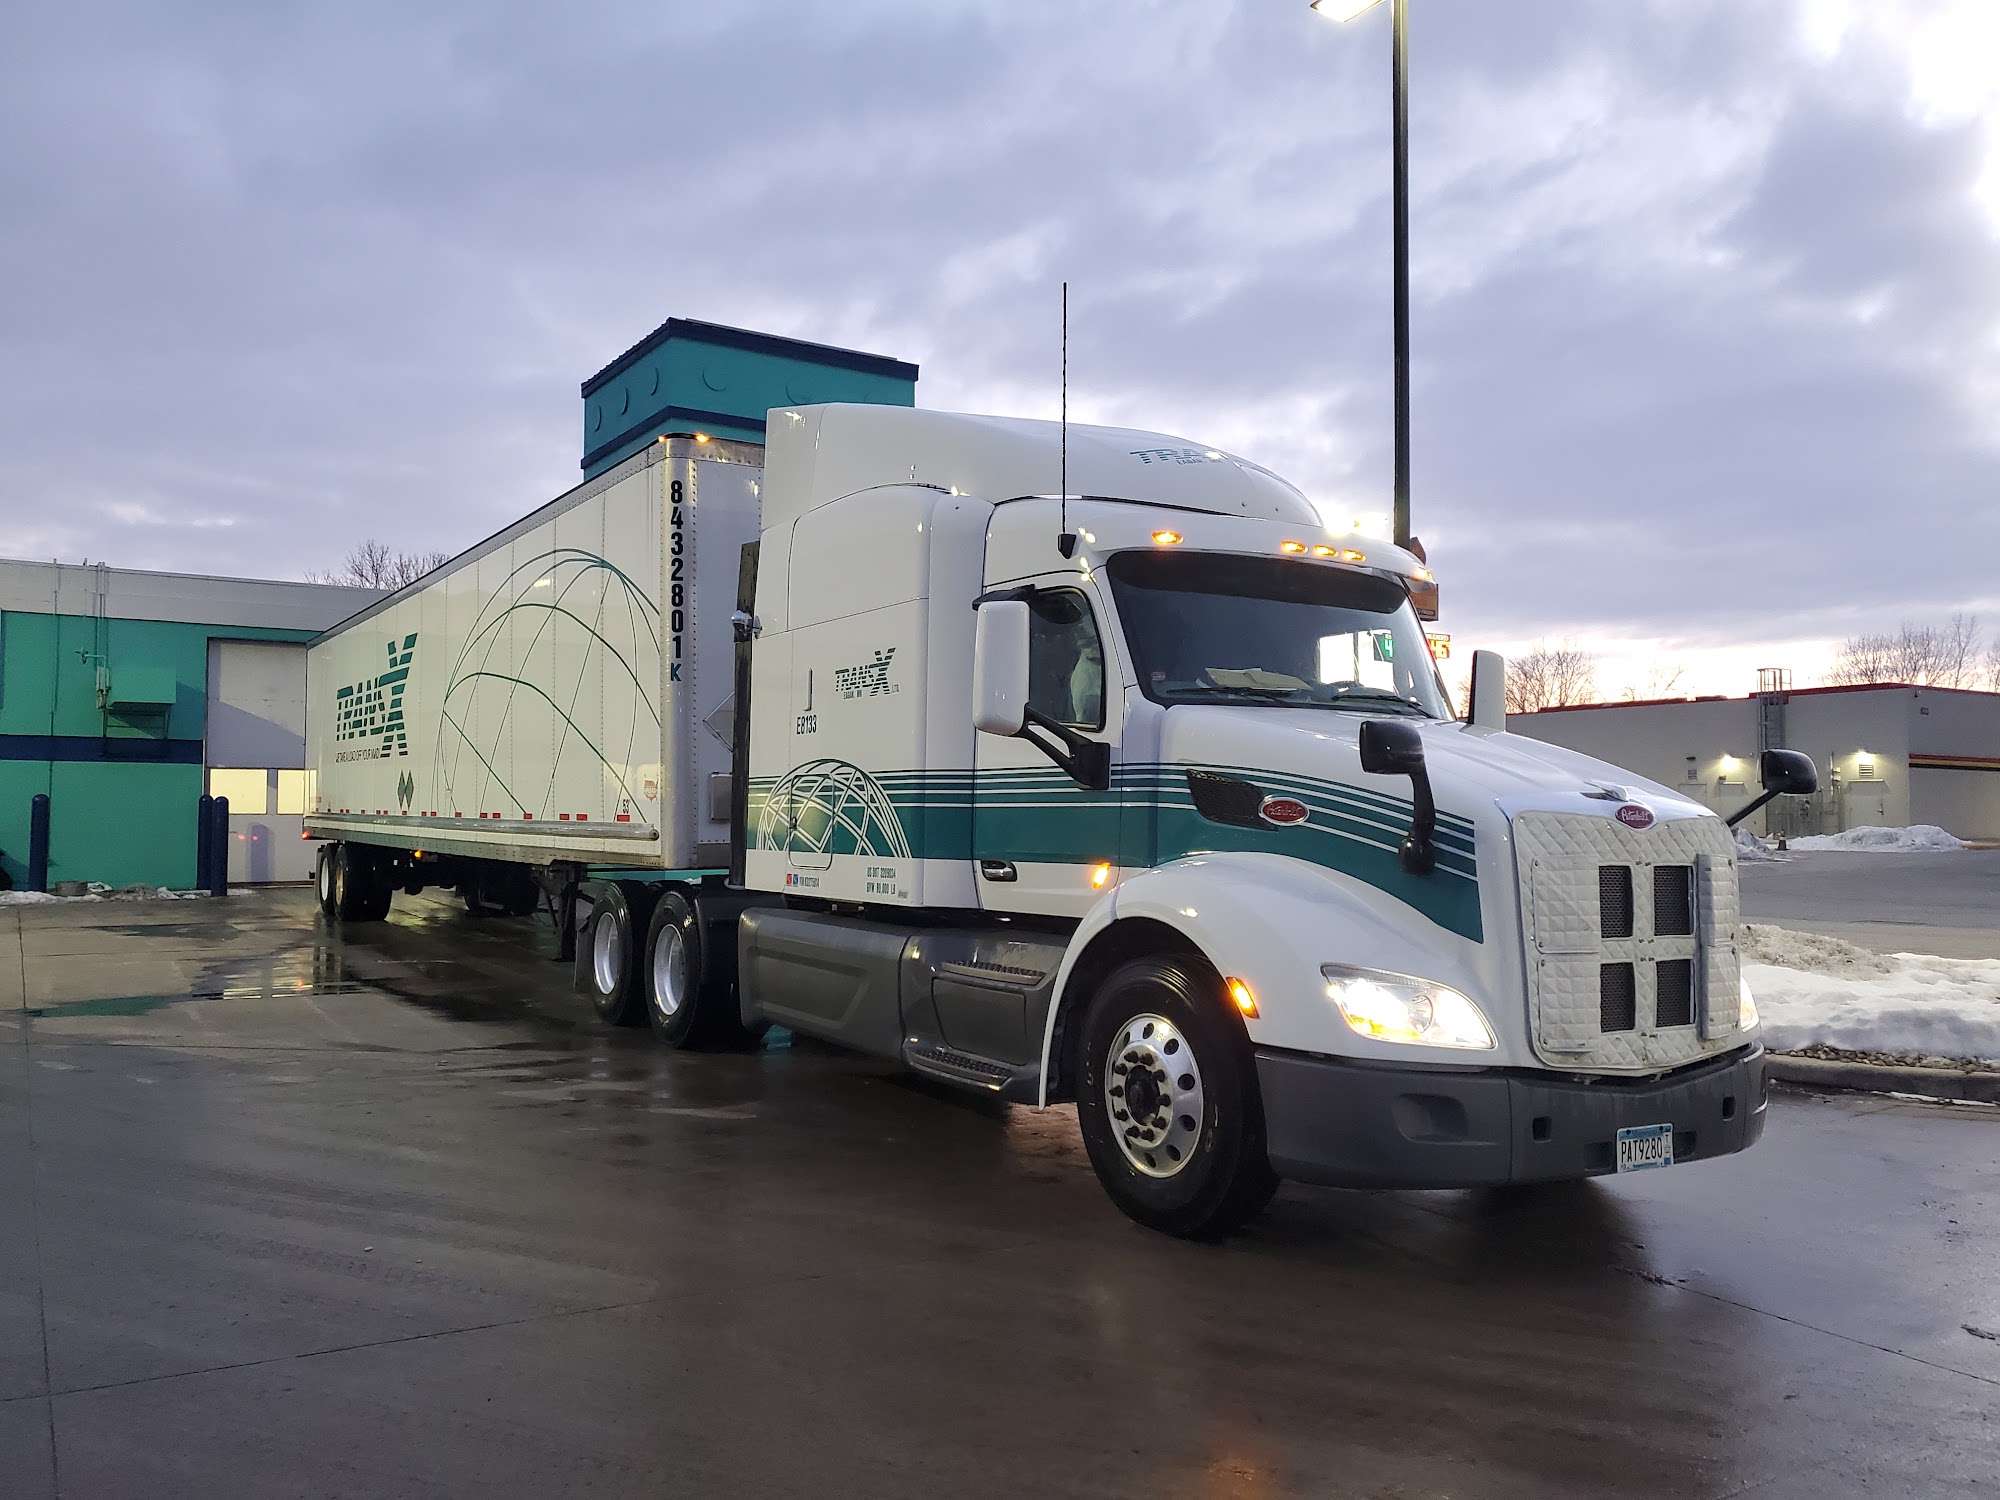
{"x": 256, "y": 755}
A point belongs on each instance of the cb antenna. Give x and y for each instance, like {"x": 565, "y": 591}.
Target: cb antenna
{"x": 1065, "y": 539}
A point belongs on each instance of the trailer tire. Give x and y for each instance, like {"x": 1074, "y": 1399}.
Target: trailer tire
{"x": 358, "y": 892}
{"x": 323, "y": 881}
{"x": 607, "y": 953}
{"x": 1168, "y": 1102}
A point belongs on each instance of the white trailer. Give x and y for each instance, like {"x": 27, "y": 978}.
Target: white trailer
{"x": 1145, "y": 796}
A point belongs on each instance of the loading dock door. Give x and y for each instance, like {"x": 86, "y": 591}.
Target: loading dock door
{"x": 256, "y": 755}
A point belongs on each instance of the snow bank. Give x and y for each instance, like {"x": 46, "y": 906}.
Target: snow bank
{"x": 1916, "y": 838}
{"x": 97, "y": 892}
{"x": 1816, "y": 991}
{"x": 1750, "y": 849}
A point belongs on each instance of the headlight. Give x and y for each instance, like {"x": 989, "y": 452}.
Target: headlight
{"x": 1746, "y": 1014}
{"x": 1397, "y": 1008}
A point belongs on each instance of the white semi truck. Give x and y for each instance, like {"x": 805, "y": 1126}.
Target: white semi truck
{"x": 1143, "y": 795}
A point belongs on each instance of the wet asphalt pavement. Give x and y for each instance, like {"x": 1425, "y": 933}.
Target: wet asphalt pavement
{"x": 282, "y": 1215}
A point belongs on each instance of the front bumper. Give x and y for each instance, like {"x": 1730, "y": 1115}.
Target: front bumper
{"x": 1361, "y": 1124}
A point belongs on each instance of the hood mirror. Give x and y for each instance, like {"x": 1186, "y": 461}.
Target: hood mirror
{"x": 1393, "y": 747}
{"x": 1786, "y": 773}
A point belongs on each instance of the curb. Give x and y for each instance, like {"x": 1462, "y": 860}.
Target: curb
{"x": 1881, "y": 1078}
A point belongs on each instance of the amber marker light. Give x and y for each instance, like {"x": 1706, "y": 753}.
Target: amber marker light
{"x": 1245, "y": 1001}
{"x": 1350, "y": 555}
{"x": 1100, "y": 877}
{"x": 1326, "y": 552}
{"x": 1291, "y": 546}
{"x": 1166, "y": 538}
{"x": 701, "y": 437}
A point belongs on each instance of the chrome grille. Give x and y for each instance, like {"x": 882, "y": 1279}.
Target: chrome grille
{"x": 1673, "y": 992}
{"x": 1631, "y": 933}
{"x": 1614, "y": 901}
{"x": 1673, "y": 900}
{"x": 1617, "y": 998}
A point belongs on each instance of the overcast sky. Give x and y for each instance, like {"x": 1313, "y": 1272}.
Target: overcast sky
{"x": 1706, "y": 292}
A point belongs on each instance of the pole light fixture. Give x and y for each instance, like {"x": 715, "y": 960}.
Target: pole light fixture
{"x": 1348, "y": 10}
{"x": 1343, "y": 10}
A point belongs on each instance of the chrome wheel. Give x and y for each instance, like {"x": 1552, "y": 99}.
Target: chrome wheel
{"x": 670, "y": 972}
{"x": 1152, "y": 1089}
{"x": 607, "y": 955}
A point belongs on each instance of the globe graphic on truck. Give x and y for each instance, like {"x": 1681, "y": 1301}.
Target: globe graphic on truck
{"x": 831, "y": 807}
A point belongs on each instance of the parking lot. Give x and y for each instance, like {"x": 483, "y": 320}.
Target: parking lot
{"x": 286, "y": 1215}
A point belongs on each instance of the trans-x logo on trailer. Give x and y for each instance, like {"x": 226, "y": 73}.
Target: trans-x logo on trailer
{"x": 373, "y": 710}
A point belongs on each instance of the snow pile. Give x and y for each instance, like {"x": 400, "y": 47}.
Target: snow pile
{"x": 1818, "y": 992}
{"x": 1750, "y": 849}
{"x": 1918, "y": 837}
{"x": 98, "y": 892}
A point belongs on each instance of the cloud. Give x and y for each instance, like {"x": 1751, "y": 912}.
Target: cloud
{"x": 1707, "y": 295}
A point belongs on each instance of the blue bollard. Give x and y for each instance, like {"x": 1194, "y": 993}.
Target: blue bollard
{"x": 204, "y": 840}
{"x": 38, "y": 842}
{"x": 218, "y": 849}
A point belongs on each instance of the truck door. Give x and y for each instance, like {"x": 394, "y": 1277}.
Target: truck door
{"x": 1037, "y": 836}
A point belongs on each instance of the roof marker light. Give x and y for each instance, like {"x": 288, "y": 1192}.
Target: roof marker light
{"x": 1166, "y": 538}
{"x": 1326, "y": 552}
{"x": 1350, "y": 555}
{"x": 1291, "y": 546}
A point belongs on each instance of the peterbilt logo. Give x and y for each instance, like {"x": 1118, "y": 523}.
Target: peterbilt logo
{"x": 1283, "y": 810}
{"x": 1632, "y": 815}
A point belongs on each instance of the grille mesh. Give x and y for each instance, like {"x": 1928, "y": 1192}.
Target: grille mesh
{"x": 1614, "y": 900}
{"x": 1673, "y": 900}
{"x": 1617, "y": 998}
{"x": 1673, "y": 1001}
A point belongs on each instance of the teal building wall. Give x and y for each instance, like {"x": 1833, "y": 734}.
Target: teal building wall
{"x": 692, "y": 377}
{"x": 122, "y": 781}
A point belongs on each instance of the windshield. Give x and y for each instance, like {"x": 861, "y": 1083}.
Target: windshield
{"x": 1208, "y": 627}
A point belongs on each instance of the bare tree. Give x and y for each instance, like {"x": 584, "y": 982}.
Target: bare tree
{"x": 1663, "y": 681}
{"x": 1927, "y": 655}
{"x": 1548, "y": 676}
{"x": 372, "y": 565}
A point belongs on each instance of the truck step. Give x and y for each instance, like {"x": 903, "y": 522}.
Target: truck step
{"x": 1015, "y": 1084}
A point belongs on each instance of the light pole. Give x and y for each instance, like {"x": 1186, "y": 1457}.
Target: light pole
{"x": 1347, "y": 10}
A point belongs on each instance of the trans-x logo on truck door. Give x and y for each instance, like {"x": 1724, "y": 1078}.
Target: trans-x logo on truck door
{"x": 869, "y": 680}
{"x": 373, "y": 710}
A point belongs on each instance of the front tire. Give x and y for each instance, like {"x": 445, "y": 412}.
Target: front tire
{"x": 1168, "y": 1102}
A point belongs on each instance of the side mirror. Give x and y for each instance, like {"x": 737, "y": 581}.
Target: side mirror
{"x": 1786, "y": 773}
{"x": 1391, "y": 747}
{"x": 1790, "y": 773}
{"x": 1000, "y": 667}
{"x": 1489, "y": 691}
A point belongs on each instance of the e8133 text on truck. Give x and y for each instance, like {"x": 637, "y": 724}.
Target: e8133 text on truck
{"x": 1147, "y": 798}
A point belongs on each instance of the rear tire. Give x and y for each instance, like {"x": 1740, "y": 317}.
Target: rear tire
{"x": 358, "y": 892}
{"x": 607, "y": 954}
{"x": 679, "y": 990}
{"x": 323, "y": 881}
{"x": 1168, "y": 1102}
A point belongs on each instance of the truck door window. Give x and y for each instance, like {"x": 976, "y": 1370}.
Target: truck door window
{"x": 1065, "y": 659}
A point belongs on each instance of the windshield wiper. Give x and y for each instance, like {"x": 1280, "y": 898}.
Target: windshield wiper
{"x": 1372, "y": 696}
